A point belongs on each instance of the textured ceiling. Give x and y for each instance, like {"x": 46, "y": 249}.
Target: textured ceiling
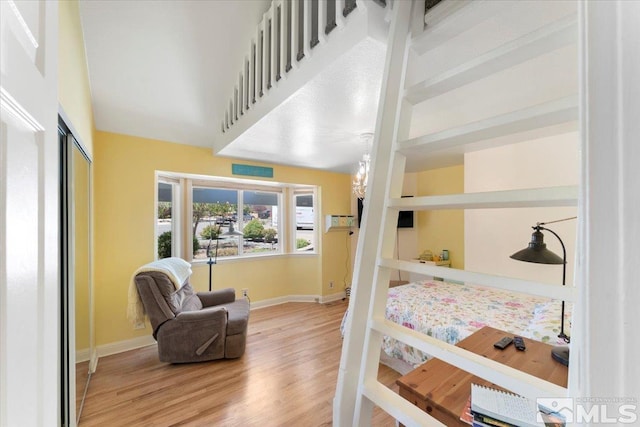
{"x": 320, "y": 125}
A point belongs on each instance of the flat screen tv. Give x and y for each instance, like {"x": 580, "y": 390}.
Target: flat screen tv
{"x": 405, "y": 218}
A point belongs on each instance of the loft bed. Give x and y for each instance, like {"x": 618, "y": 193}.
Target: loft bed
{"x": 451, "y": 312}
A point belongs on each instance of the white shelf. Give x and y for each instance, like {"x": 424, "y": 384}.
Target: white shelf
{"x": 531, "y": 197}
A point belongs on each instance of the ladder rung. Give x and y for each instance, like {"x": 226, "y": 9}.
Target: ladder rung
{"x": 524, "y": 198}
{"x": 529, "y": 46}
{"x": 566, "y": 293}
{"x": 551, "y": 113}
{"x": 505, "y": 376}
{"x": 448, "y": 19}
{"x": 397, "y": 406}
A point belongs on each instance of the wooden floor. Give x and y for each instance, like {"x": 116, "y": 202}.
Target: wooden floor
{"x": 287, "y": 377}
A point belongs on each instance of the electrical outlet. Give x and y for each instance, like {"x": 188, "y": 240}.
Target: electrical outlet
{"x": 245, "y": 293}
{"x": 139, "y": 325}
{"x": 331, "y": 284}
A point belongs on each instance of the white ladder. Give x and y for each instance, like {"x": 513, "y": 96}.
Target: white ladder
{"x": 358, "y": 390}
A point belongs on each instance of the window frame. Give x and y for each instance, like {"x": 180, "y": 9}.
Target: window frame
{"x": 303, "y": 191}
{"x": 176, "y": 216}
{"x": 182, "y": 225}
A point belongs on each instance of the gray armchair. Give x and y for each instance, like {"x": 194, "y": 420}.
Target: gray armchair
{"x": 193, "y": 327}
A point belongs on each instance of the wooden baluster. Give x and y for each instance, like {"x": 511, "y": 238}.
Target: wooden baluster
{"x": 340, "y": 6}
{"x": 277, "y": 51}
{"x": 299, "y": 29}
{"x": 306, "y": 29}
{"x": 247, "y": 81}
{"x": 253, "y": 69}
{"x": 314, "y": 24}
{"x": 287, "y": 38}
{"x": 349, "y": 6}
{"x": 328, "y": 15}
{"x": 259, "y": 60}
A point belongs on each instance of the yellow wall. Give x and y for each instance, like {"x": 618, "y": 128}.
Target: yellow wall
{"x": 74, "y": 92}
{"x": 442, "y": 229}
{"x": 124, "y": 214}
{"x": 74, "y": 95}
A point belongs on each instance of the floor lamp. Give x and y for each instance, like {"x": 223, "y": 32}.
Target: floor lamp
{"x": 537, "y": 252}
{"x": 211, "y": 262}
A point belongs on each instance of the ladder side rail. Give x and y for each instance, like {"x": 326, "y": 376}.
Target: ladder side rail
{"x": 368, "y": 242}
{"x": 386, "y": 246}
{"x": 373, "y": 340}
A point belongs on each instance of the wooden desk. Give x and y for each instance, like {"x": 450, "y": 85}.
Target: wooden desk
{"x": 442, "y": 390}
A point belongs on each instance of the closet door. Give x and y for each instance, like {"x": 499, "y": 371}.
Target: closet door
{"x": 84, "y": 345}
{"x": 78, "y": 349}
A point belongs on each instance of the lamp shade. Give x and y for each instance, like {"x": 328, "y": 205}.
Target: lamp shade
{"x": 537, "y": 251}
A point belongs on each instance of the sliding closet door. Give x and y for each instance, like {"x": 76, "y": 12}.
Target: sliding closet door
{"x": 82, "y": 285}
{"x": 76, "y": 285}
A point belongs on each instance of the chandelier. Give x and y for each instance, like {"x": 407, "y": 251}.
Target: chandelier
{"x": 362, "y": 173}
{"x": 361, "y": 177}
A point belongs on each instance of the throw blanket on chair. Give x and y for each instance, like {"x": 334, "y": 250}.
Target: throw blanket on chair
{"x": 177, "y": 269}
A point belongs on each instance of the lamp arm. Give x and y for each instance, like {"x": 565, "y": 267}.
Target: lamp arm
{"x": 564, "y": 250}
{"x": 564, "y": 275}
{"x": 557, "y": 220}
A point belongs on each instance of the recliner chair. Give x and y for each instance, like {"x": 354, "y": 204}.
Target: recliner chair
{"x": 193, "y": 327}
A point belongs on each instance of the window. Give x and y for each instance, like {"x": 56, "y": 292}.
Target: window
{"x": 305, "y": 222}
{"x": 216, "y": 216}
{"x": 167, "y": 218}
{"x": 214, "y": 211}
{"x": 260, "y": 226}
{"x": 232, "y": 218}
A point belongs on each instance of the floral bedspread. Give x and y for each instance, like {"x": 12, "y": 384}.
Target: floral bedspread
{"x": 451, "y": 312}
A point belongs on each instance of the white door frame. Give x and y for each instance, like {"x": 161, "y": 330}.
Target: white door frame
{"x": 29, "y": 215}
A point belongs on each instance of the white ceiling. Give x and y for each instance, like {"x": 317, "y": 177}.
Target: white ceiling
{"x": 165, "y": 70}
{"x": 320, "y": 125}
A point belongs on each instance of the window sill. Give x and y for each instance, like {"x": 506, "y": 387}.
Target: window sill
{"x": 226, "y": 260}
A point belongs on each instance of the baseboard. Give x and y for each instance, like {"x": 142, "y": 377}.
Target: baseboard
{"x": 297, "y": 298}
{"x": 126, "y": 345}
{"x": 333, "y": 297}
{"x": 83, "y": 355}
{"x": 134, "y": 343}
{"x": 90, "y": 356}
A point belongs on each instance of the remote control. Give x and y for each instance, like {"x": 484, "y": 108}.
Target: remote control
{"x": 519, "y": 343}
{"x": 503, "y": 343}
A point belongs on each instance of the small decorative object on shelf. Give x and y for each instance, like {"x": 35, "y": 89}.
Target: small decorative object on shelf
{"x": 426, "y": 255}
